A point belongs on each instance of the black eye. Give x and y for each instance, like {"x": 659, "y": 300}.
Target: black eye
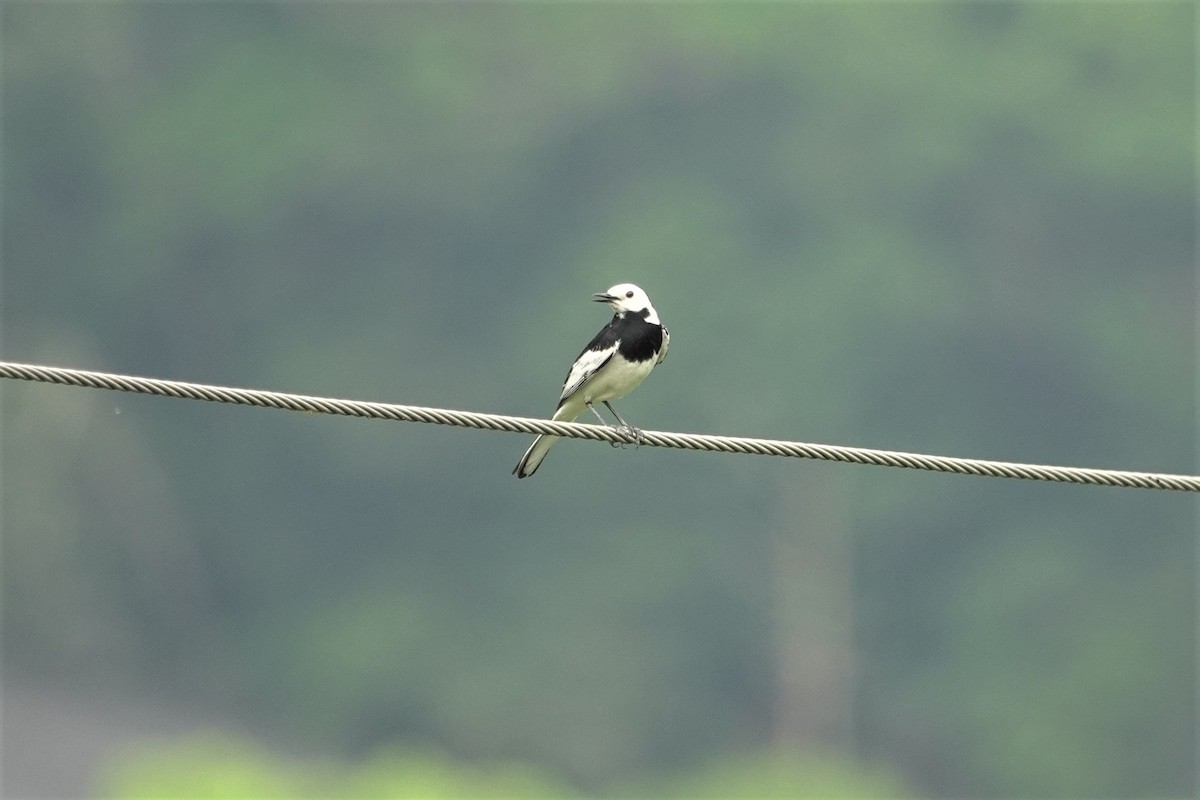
{"x": 629, "y": 294}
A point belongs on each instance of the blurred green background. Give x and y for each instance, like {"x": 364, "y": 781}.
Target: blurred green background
{"x": 957, "y": 228}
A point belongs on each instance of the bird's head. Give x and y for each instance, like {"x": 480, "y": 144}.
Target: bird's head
{"x": 624, "y": 298}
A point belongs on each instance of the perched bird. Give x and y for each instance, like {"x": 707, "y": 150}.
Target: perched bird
{"x": 619, "y": 358}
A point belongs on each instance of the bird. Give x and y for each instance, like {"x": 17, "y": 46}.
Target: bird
{"x": 617, "y": 359}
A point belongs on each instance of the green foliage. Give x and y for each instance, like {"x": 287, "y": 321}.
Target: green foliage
{"x": 429, "y": 774}
{"x": 214, "y": 767}
{"x": 774, "y": 775}
{"x": 208, "y": 768}
{"x": 949, "y": 227}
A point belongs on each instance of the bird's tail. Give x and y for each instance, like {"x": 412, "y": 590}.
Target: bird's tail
{"x": 534, "y": 455}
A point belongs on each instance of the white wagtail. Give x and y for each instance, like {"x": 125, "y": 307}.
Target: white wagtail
{"x": 620, "y": 357}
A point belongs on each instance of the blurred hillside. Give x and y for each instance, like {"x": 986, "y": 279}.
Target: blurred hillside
{"x": 965, "y": 229}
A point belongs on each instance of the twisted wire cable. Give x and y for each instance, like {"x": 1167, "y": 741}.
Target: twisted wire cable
{"x": 575, "y": 430}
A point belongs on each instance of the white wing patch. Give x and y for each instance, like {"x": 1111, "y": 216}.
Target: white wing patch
{"x": 666, "y": 342}
{"x": 585, "y": 367}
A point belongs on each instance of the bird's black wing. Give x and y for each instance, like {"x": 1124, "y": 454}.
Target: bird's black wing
{"x": 598, "y": 352}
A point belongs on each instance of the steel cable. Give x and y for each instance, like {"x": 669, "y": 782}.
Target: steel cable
{"x": 575, "y": 430}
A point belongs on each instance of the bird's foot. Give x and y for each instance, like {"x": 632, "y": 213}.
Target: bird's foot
{"x": 633, "y": 434}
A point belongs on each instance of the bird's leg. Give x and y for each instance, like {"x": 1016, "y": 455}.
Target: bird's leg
{"x": 603, "y": 421}
{"x": 625, "y": 428}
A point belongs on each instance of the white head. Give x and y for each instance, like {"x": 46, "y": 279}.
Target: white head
{"x": 624, "y": 298}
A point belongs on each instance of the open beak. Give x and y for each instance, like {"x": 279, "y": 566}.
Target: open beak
{"x": 603, "y": 297}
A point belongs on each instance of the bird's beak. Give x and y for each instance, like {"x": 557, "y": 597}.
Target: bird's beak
{"x": 603, "y": 297}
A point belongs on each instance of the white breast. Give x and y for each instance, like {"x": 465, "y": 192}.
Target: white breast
{"x": 616, "y": 379}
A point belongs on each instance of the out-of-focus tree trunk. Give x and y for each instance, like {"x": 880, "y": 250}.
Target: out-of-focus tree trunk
{"x": 813, "y": 612}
